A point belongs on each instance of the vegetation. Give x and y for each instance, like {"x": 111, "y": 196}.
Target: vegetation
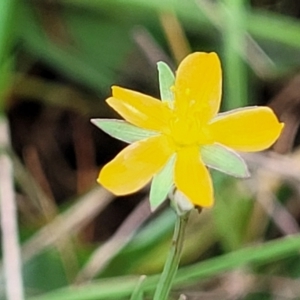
{"x": 58, "y": 61}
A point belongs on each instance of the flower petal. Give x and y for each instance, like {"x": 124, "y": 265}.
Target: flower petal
{"x": 139, "y": 109}
{"x": 134, "y": 166}
{"x": 123, "y": 130}
{"x": 192, "y": 177}
{"x": 198, "y": 85}
{"x": 248, "y": 129}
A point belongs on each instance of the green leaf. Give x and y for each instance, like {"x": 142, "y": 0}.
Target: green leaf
{"x": 123, "y": 130}
{"x": 166, "y": 81}
{"x": 225, "y": 160}
{"x": 161, "y": 184}
{"x": 233, "y": 209}
{"x": 138, "y": 290}
{"x": 258, "y": 255}
{"x": 95, "y": 64}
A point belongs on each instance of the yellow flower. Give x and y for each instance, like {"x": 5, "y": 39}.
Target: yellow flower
{"x": 180, "y": 130}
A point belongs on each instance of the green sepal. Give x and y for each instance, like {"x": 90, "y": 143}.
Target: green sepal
{"x": 161, "y": 184}
{"x": 123, "y": 130}
{"x": 225, "y": 160}
{"x": 166, "y": 81}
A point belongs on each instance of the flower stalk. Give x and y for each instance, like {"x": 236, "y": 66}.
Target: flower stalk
{"x": 171, "y": 265}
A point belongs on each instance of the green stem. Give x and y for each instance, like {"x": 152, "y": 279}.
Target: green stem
{"x": 173, "y": 259}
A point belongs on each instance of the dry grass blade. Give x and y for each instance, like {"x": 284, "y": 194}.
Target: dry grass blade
{"x": 285, "y": 167}
{"x": 9, "y": 226}
{"x": 255, "y": 56}
{"x": 68, "y": 223}
{"x": 103, "y": 255}
{"x": 49, "y": 210}
{"x": 272, "y": 170}
{"x": 151, "y": 49}
{"x": 240, "y": 283}
{"x": 280, "y": 215}
{"x": 176, "y": 37}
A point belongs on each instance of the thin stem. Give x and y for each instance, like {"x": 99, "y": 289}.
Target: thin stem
{"x": 173, "y": 259}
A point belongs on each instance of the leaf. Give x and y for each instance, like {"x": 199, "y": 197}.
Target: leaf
{"x": 120, "y": 287}
{"x": 166, "y": 81}
{"x": 138, "y": 290}
{"x": 123, "y": 130}
{"x": 233, "y": 209}
{"x": 225, "y": 160}
{"x": 161, "y": 184}
{"x": 97, "y": 61}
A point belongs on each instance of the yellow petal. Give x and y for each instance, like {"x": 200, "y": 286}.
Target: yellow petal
{"x": 134, "y": 166}
{"x": 139, "y": 109}
{"x": 192, "y": 178}
{"x": 248, "y": 129}
{"x": 198, "y": 85}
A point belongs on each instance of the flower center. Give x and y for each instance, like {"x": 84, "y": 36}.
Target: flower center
{"x": 188, "y": 131}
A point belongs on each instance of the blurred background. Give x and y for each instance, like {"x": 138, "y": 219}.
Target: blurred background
{"x": 58, "y": 61}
